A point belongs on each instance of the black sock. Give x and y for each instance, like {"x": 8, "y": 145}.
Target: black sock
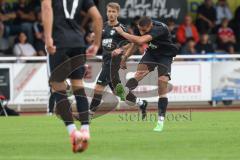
{"x": 96, "y": 101}
{"x": 82, "y": 106}
{"x": 131, "y": 97}
{"x": 63, "y": 107}
{"x": 131, "y": 85}
{"x": 162, "y": 106}
{"x": 51, "y": 103}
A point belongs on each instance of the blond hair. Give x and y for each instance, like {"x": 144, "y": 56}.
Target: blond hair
{"x": 114, "y": 6}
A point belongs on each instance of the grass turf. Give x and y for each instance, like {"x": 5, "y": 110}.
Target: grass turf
{"x": 201, "y": 136}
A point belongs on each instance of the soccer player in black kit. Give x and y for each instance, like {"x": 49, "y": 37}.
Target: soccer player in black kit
{"x": 160, "y": 53}
{"x": 113, "y": 46}
{"x": 64, "y": 43}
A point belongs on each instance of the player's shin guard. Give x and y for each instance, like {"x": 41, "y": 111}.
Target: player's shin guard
{"x": 63, "y": 107}
{"x": 96, "y": 101}
{"x": 162, "y": 106}
{"x": 82, "y": 106}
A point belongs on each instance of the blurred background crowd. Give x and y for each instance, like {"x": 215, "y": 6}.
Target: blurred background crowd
{"x": 215, "y": 29}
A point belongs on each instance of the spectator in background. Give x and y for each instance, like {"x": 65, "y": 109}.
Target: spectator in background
{"x": 35, "y": 4}
{"x": 7, "y": 15}
{"x": 172, "y": 28}
{"x": 189, "y": 47}
{"x": 235, "y": 24}
{"x": 204, "y": 46}
{"x": 1, "y": 29}
{"x": 3, "y": 42}
{"x": 187, "y": 30}
{"x": 223, "y": 11}
{"x": 206, "y": 17}
{"x": 6, "y": 27}
{"x": 25, "y": 18}
{"x": 226, "y": 37}
{"x": 22, "y": 47}
{"x": 39, "y": 43}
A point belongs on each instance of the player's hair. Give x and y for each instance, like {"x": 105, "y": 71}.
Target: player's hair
{"x": 114, "y": 5}
{"x": 144, "y": 21}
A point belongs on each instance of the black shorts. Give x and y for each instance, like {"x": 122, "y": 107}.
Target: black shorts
{"x": 226, "y": 46}
{"x": 156, "y": 60}
{"x": 67, "y": 63}
{"x": 109, "y": 74}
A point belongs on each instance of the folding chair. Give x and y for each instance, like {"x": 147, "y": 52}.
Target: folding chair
{"x": 2, "y": 105}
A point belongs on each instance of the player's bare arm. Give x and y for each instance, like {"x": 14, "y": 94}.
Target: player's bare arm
{"x": 47, "y": 13}
{"x": 134, "y": 39}
{"x": 132, "y": 49}
{"x": 97, "y": 29}
{"x": 121, "y": 50}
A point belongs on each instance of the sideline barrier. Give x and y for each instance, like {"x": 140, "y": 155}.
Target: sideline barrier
{"x": 200, "y": 78}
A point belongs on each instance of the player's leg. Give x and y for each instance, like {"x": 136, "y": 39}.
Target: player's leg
{"x": 76, "y": 78}
{"x": 114, "y": 78}
{"x": 102, "y": 82}
{"x": 63, "y": 106}
{"x": 59, "y": 87}
{"x": 82, "y": 106}
{"x": 61, "y": 68}
{"x": 97, "y": 98}
{"x": 162, "y": 101}
{"x": 142, "y": 70}
{"x": 51, "y": 103}
{"x": 144, "y": 67}
{"x": 164, "y": 70}
{"x": 81, "y": 102}
{"x": 77, "y": 62}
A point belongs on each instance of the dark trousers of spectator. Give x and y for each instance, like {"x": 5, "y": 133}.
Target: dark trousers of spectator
{"x": 39, "y": 45}
{"x": 226, "y": 46}
{"x": 202, "y": 26}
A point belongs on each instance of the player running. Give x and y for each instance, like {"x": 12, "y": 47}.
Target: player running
{"x": 113, "y": 46}
{"x": 160, "y": 53}
{"x": 64, "y": 42}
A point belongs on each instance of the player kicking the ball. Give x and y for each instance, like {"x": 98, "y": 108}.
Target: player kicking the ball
{"x": 160, "y": 53}
{"x": 65, "y": 44}
{"x": 113, "y": 46}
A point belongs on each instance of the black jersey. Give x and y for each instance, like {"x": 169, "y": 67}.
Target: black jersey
{"x": 162, "y": 42}
{"x": 66, "y": 30}
{"x": 111, "y": 40}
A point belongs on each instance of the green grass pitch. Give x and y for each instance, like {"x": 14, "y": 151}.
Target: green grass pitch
{"x": 203, "y": 136}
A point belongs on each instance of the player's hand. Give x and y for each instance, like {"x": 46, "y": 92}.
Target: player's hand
{"x": 123, "y": 64}
{"x": 119, "y": 30}
{"x": 92, "y": 51}
{"x": 117, "y": 52}
{"x": 51, "y": 49}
